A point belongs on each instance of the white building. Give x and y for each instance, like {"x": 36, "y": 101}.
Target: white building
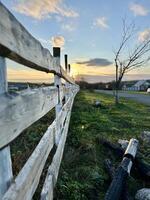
{"x": 141, "y": 85}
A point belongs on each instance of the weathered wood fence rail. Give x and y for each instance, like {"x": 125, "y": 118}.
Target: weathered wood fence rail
{"x": 17, "y": 112}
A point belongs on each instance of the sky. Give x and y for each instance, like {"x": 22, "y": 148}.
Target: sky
{"x": 89, "y": 31}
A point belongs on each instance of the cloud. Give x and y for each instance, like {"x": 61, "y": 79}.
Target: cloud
{"x": 44, "y": 8}
{"x": 58, "y": 41}
{"x": 96, "y": 62}
{"x": 68, "y": 27}
{"x": 138, "y": 9}
{"x": 101, "y": 22}
{"x": 144, "y": 35}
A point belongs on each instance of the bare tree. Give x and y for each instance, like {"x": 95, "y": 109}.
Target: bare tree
{"x": 134, "y": 58}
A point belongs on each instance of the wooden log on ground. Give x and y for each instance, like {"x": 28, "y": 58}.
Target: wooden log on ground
{"x": 116, "y": 188}
{"x": 143, "y": 194}
{"x": 111, "y": 171}
{"x": 142, "y": 167}
{"x": 115, "y": 147}
{"x": 109, "y": 168}
{"x": 119, "y": 179}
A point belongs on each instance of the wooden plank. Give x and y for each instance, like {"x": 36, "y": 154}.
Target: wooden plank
{"x": 60, "y": 118}
{"x": 58, "y": 84}
{"x": 66, "y": 62}
{"x": 47, "y": 191}
{"x": 19, "y": 112}
{"x": 26, "y": 182}
{"x": 54, "y": 167}
{"x": 53, "y": 170}
{"x": 67, "y": 71}
{"x": 63, "y": 113}
{"x": 3, "y": 76}
{"x": 66, "y": 77}
{"x": 19, "y": 45}
{"x": 6, "y": 174}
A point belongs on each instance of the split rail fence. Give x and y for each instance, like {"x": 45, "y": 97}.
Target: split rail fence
{"x": 17, "y": 112}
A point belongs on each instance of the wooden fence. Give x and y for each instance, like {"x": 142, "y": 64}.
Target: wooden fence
{"x": 17, "y": 112}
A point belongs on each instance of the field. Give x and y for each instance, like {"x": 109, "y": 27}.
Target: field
{"x": 82, "y": 174}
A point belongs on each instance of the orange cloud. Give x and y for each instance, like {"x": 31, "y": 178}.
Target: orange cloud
{"x": 44, "y": 8}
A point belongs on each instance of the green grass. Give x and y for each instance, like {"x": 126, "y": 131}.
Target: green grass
{"x": 82, "y": 175}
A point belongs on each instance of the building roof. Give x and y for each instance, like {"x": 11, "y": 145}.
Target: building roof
{"x": 140, "y": 83}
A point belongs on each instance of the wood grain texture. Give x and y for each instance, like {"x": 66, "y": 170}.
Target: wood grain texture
{"x": 19, "y": 112}
{"x": 66, "y": 77}
{"x": 132, "y": 148}
{"x": 54, "y": 167}
{"x": 3, "y": 76}
{"x": 53, "y": 170}
{"x": 27, "y": 180}
{"x": 6, "y": 174}
{"x": 60, "y": 119}
{"x": 19, "y": 45}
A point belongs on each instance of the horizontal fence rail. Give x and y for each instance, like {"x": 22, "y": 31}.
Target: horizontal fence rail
{"x": 26, "y": 182}
{"x": 16, "y": 112}
{"x": 19, "y": 45}
{"x": 20, "y": 110}
{"x": 53, "y": 170}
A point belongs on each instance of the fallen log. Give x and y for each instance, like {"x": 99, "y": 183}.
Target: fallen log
{"x": 123, "y": 143}
{"x": 143, "y": 194}
{"x": 111, "y": 171}
{"x": 109, "y": 168}
{"x": 142, "y": 167}
{"x": 118, "y": 183}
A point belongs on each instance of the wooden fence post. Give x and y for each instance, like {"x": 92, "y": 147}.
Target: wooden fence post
{"x": 6, "y": 174}
{"x": 69, "y": 69}
{"x": 66, "y": 62}
{"x": 58, "y": 84}
{"x": 66, "y": 84}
